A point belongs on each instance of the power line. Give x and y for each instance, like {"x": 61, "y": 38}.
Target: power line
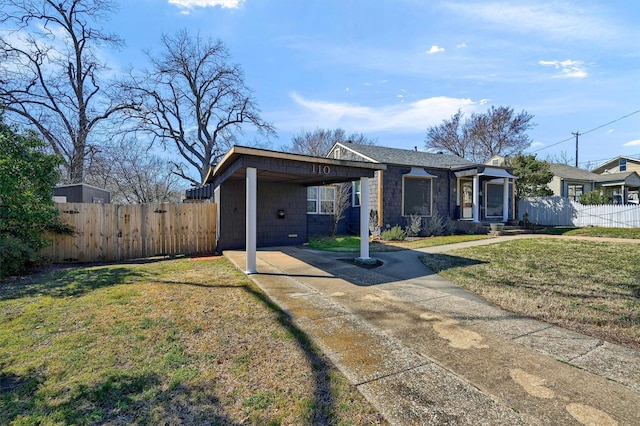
{"x": 588, "y": 131}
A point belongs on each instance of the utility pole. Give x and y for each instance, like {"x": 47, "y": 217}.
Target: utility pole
{"x": 576, "y": 134}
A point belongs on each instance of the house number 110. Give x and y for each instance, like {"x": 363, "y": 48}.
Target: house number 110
{"x": 318, "y": 169}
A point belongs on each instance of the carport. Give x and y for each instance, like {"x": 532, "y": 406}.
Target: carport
{"x": 268, "y": 189}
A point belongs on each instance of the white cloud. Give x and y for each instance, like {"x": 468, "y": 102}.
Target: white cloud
{"x": 554, "y": 20}
{"x": 568, "y": 68}
{"x": 632, "y": 143}
{"x": 435, "y": 49}
{"x": 191, "y": 4}
{"x": 402, "y": 117}
{"x": 536, "y": 144}
{"x": 461, "y": 45}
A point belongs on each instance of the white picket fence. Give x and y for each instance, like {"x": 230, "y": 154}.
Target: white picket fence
{"x": 561, "y": 211}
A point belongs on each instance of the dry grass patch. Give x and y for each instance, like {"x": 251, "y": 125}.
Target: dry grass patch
{"x": 586, "y": 286}
{"x": 171, "y": 342}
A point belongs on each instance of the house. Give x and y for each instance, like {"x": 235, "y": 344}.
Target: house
{"x": 270, "y": 198}
{"x": 425, "y": 184}
{"x": 618, "y": 165}
{"x": 572, "y": 182}
{"x": 81, "y": 193}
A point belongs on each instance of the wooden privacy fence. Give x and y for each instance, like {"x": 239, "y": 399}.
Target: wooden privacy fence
{"x": 112, "y": 232}
{"x": 561, "y": 211}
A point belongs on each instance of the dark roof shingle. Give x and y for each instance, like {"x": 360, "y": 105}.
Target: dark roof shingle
{"x": 407, "y": 157}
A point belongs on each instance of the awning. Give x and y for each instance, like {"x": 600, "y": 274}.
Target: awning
{"x": 419, "y": 172}
{"x": 486, "y": 171}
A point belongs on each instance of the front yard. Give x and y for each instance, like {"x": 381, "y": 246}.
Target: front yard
{"x": 168, "y": 342}
{"x": 590, "y": 287}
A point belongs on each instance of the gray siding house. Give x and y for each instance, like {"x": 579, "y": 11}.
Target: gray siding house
{"x": 422, "y": 183}
{"x": 269, "y": 198}
{"x": 571, "y": 182}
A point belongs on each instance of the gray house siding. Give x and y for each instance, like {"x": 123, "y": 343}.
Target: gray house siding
{"x": 443, "y": 199}
{"x": 271, "y": 230}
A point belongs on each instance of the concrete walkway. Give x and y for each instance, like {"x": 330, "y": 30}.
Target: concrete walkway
{"x": 424, "y": 351}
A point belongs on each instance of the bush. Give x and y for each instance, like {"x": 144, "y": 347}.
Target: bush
{"x": 394, "y": 234}
{"x": 27, "y": 179}
{"x": 373, "y": 223}
{"x": 16, "y": 257}
{"x": 414, "y": 225}
{"x": 434, "y": 225}
{"x": 595, "y": 198}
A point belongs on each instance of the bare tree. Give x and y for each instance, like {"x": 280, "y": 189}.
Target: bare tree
{"x": 50, "y": 74}
{"x": 343, "y": 201}
{"x": 138, "y": 175}
{"x": 562, "y": 158}
{"x": 497, "y": 132}
{"x": 452, "y": 135}
{"x": 193, "y": 100}
{"x": 319, "y": 142}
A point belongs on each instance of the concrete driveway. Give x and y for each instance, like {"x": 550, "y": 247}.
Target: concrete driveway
{"x": 424, "y": 351}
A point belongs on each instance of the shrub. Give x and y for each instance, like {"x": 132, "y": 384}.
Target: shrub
{"x": 16, "y": 257}
{"x": 595, "y": 198}
{"x": 434, "y": 225}
{"x": 374, "y": 228}
{"x": 27, "y": 178}
{"x": 394, "y": 234}
{"x": 450, "y": 227}
{"x": 414, "y": 225}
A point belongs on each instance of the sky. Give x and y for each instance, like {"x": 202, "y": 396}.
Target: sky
{"x": 389, "y": 69}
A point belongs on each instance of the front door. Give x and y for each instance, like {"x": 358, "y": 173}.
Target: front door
{"x": 466, "y": 203}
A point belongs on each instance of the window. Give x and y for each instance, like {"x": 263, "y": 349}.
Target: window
{"x": 336, "y": 153}
{"x": 416, "y": 196}
{"x": 321, "y": 199}
{"x": 494, "y": 199}
{"x": 357, "y": 192}
{"x": 622, "y": 164}
{"x": 575, "y": 192}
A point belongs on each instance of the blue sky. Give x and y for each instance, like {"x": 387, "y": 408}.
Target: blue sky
{"x": 391, "y": 68}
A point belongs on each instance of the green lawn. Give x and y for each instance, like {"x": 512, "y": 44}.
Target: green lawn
{"x": 167, "y": 342}
{"x": 594, "y": 231}
{"x": 352, "y": 244}
{"x": 588, "y": 286}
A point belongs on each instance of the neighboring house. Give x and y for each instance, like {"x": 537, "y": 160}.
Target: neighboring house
{"x": 425, "y": 184}
{"x": 572, "y": 182}
{"x": 618, "y": 165}
{"x": 81, "y": 193}
{"x": 496, "y": 160}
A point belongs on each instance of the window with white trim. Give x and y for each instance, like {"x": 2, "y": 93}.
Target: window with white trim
{"x": 494, "y": 199}
{"x": 416, "y": 196}
{"x": 357, "y": 192}
{"x": 321, "y": 199}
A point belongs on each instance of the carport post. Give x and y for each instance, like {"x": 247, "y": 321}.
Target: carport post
{"x": 364, "y": 218}
{"x": 252, "y": 190}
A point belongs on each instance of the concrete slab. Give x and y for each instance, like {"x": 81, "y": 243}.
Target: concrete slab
{"x": 425, "y": 352}
{"x": 562, "y": 344}
{"x": 620, "y": 363}
{"x": 429, "y": 395}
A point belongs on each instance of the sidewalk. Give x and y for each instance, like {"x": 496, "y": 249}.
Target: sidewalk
{"x": 425, "y": 351}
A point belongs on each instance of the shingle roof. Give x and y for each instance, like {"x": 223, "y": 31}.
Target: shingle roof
{"x": 407, "y": 157}
{"x": 570, "y": 172}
